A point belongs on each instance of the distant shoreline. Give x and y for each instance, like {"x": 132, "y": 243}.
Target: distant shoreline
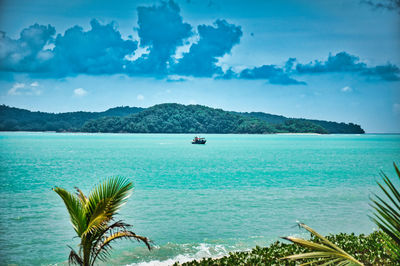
{"x": 289, "y": 134}
{"x": 306, "y": 134}
{"x": 82, "y": 132}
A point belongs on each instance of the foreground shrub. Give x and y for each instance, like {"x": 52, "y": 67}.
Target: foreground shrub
{"x": 368, "y": 249}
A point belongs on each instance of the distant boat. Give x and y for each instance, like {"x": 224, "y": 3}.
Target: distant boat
{"x": 198, "y": 140}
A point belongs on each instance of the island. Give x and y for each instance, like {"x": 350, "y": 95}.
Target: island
{"x": 167, "y": 118}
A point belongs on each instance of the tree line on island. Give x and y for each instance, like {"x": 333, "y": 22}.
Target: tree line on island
{"x": 167, "y": 118}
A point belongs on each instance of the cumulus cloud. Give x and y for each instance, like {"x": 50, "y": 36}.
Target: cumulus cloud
{"x": 214, "y": 41}
{"x": 23, "y": 89}
{"x": 35, "y": 84}
{"x": 140, "y": 97}
{"x": 162, "y": 30}
{"x": 347, "y": 89}
{"x": 27, "y": 53}
{"x": 101, "y": 50}
{"x": 80, "y": 92}
{"x": 169, "y": 48}
{"x": 290, "y": 64}
{"x": 16, "y": 89}
{"x": 386, "y": 72}
{"x": 346, "y": 63}
{"x": 272, "y": 73}
{"x": 228, "y": 74}
{"x": 340, "y": 63}
{"x": 385, "y": 4}
{"x": 176, "y": 78}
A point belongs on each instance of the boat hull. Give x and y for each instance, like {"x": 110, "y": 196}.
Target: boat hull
{"x": 199, "y": 142}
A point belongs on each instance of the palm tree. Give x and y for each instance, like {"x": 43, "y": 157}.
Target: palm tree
{"x": 387, "y": 215}
{"x": 92, "y": 218}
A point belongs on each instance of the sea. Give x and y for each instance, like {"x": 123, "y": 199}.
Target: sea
{"x": 234, "y": 193}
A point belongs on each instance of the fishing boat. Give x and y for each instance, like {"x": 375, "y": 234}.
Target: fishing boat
{"x": 198, "y": 140}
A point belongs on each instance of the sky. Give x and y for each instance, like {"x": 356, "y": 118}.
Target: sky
{"x": 335, "y": 60}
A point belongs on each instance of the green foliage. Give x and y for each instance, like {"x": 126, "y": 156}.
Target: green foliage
{"x": 387, "y": 215}
{"x": 15, "y": 119}
{"x": 322, "y": 251}
{"x": 327, "y": 126}
{"x": 368, "y": 249}
{"x": 177, "y": 118}
{"x": 300, "y": 126}
{"x": 339, "y": 128}
{"x": 165, "y": 118}
{"x": 92, "y": 218}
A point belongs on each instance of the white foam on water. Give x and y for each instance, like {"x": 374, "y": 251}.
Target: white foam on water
{"x": 179, "y": 258}
{"x": 203, "y": 251}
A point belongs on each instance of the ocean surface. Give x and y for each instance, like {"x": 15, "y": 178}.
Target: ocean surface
{"x": 193, "y": 201}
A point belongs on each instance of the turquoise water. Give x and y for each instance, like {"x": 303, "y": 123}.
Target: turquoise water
{"x": 233, "y": 193}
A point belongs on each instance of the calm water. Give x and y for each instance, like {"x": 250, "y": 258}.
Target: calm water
{"x": 233, "y": 193}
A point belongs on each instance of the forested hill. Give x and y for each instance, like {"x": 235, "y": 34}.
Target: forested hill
{"x": 15, "y": 119}
{"x": 329, "y": 126}
{"x": 177, "y": 118}
{"x": 165, "y": 118}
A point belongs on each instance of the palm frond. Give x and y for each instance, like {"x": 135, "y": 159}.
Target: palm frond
{"x": 105, "y": 200}
{"x": 113, "y": 190}
{"x": 99, "y": 235}
{"x": 324, "y": 253}
{"x": 99, "y": 218}
{"x": 75, "y": 210}
{"x": 118, "y": 224}
{"x": 103, "y": 250}
{"x": 387, "y": 213}
{"x": 92, "y": 216}
{"x": 74, "y": 258}
{"x": 391, "y": 246}
{"x": 81, "y": 196}
{"x": 126, "y": 234}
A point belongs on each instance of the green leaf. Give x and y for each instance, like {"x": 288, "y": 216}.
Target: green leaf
{"x": 74, "y": 208}
{"x": 91, "y": 218}
{"x": 387, "y": 213}
{"x": 322, "y": 252}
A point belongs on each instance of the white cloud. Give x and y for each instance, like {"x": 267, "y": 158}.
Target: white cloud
{"x": 140, "y": 97}
{"x": 22, "y": 89}
{"x": 181, "y": 50}
{"x": 80, "y": 92}
{"x": 347, "y": 89}
{"x": 16, "y": 89}
{"x": 177, "y": 78}
{"x": 138, "y": 53}
{"x": 396, "y": 108}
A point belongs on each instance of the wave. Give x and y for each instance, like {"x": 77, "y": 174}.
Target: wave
{"x": 188, "y": 252}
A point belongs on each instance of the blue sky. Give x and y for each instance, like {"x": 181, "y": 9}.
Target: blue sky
{"x": 333, "y": 60}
